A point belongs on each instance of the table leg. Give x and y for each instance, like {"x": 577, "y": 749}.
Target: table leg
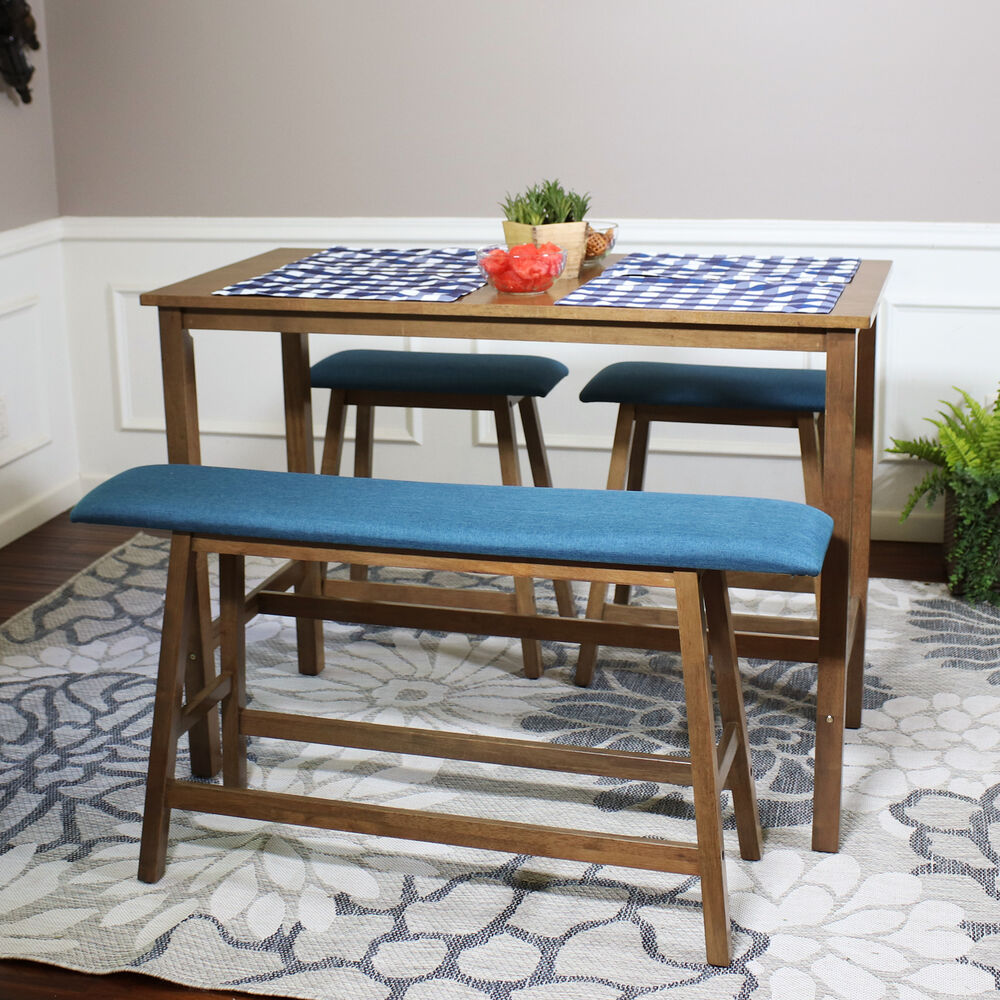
{"x": 834, "y": 600}
{"x": 862, "y": 526}
{"x": 301, "y": 458}
{"x": 180, "y": 404}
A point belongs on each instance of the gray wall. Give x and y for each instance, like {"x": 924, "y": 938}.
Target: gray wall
{"x": 777, "y": 109}
{"x": 27, "y": 159}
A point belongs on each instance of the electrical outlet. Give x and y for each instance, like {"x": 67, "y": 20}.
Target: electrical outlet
{"x": 4, "y": 430}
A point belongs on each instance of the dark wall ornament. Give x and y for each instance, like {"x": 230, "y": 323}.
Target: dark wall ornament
{"x": 17, "y": 32}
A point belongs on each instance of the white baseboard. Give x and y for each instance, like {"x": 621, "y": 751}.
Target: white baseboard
{"x": 38, "y": 510}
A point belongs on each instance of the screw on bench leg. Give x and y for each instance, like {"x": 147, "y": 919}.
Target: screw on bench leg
{"x": 178, "y": 614}
{"x": 704, "y": 769}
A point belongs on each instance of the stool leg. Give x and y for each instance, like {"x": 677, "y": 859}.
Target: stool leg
{"x": 232, "y": 654}
{"x": 510, "y": 475}
{"x": 636, "y": 476}
{"x": 722, "y": 645}
{"x": 364, "y": 447}
{"x": 705, "y": 774}
{"x": 812, "y": 472}
{"x": 510, "y": 466}
{"x": 333, "y": 443}
{"x": 541, "y": 476}
{"x": 178, "y": 613}
{"x": 620, "y": 450}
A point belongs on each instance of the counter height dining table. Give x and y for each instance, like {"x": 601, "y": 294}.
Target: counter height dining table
{"x": 845, "y": 335}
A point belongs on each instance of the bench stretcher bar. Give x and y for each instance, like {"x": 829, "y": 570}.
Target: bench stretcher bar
{"x": 440, "y": 828}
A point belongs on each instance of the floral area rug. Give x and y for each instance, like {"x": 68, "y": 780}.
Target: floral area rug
{"x": 909, "y": 908}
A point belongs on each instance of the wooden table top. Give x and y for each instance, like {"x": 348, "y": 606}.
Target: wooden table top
{"x": 855, "y": 310}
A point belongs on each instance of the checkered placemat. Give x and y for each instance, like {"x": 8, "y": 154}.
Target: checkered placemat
{"x": 715, "y": 282}
{"x": 440, "y": 275}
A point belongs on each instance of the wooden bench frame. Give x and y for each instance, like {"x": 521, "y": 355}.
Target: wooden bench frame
{"x": 703, "y": 630}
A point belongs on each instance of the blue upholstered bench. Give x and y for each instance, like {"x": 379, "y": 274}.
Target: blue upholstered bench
{"x": 687, "y": 542}
{"x": 496, "y": 383}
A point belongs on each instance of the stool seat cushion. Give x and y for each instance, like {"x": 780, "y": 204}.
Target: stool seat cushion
{"x": 438, "y": 372}
{"x": 608, "y": 527}
{"x": 659, "y": 383}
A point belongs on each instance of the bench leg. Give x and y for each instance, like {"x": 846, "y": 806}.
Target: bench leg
{"x": 510, "y": 475}
{"x": 722, "y": 645}
{"x": 232, "y": 651}
{"x": 541, "y": 476}
{"x": 179, "y": 613}
{"x": 705, "y": 774}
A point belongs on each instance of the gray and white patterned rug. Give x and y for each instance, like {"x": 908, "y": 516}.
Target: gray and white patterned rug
{"x": 909, "y": 909}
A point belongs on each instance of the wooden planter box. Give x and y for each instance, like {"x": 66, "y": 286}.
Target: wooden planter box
{"x": 571, "y": 236}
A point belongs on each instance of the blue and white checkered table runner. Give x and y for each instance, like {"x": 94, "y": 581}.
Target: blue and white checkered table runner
{"x": 715, "y": 282}
{"x": 439, "y": 275}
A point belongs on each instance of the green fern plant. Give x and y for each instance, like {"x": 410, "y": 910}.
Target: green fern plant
{"x": 966, "y": 470}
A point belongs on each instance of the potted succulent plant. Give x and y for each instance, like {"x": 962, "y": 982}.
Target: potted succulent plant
{"x": 547, "y": 213}
{"x": 966, "y": 460}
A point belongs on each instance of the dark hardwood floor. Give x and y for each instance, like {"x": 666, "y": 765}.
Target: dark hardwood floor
{"x": 36, "y": 564}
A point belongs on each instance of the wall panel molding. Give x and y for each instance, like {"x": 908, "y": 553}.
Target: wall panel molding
{"x": 22, "y": 381}
{"x": 714, "y": 233}
{"x": 940, "y": 320}
{"x": 39, "y": 234}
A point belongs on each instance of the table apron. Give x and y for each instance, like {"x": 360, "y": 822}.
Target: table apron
{"x": 743, "y": 338}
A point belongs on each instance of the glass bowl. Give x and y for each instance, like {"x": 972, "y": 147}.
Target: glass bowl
{"x": 523, "y": 269}
{"x": 601, "y": 238}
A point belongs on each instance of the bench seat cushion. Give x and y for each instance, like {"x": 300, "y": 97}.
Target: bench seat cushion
{"x": 659, "y": 530}
{"x": 661, "y": 383}
{"x": 438, "y": 372}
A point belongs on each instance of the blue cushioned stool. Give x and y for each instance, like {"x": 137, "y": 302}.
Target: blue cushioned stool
{"x": 648, "y": 391}
{"x": 437, "y": 380}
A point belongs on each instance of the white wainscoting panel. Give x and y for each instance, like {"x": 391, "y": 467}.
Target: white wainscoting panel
{"x": 39, "y": 467}
{"x": 940, "y": 326}
{"x": 23, "y": 390}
